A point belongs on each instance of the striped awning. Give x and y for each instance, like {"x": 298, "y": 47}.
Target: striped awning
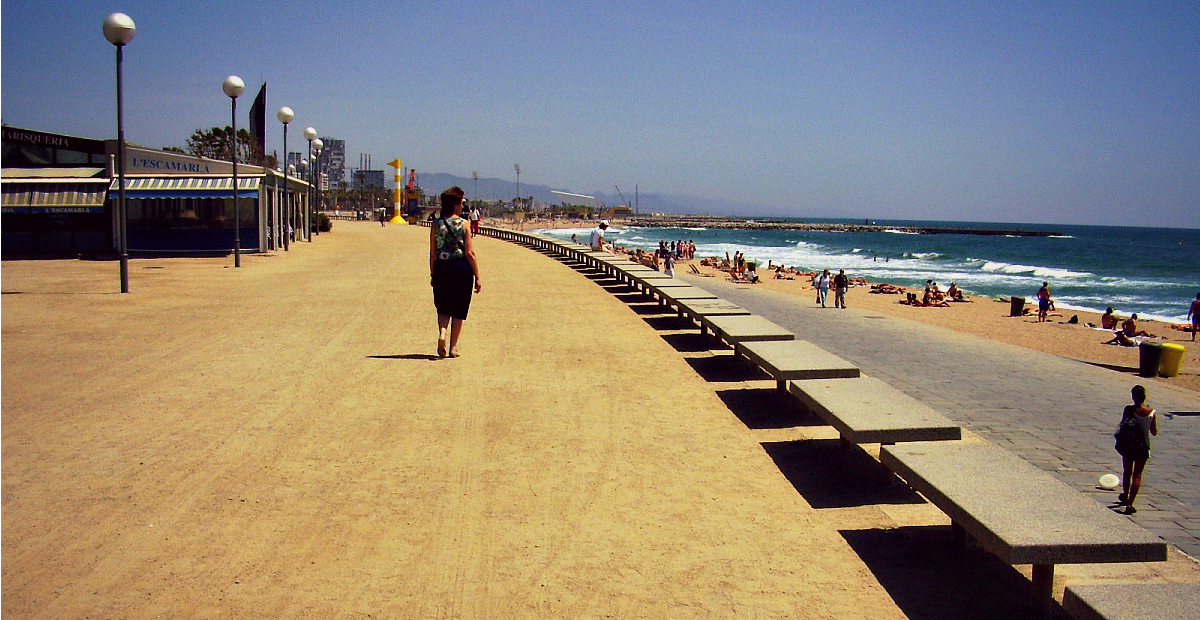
{"x": 57, "y": 196}
{"x": 187, "y": 187}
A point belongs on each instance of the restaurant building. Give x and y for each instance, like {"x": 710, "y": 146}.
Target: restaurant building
{"x": 59, "y": 196}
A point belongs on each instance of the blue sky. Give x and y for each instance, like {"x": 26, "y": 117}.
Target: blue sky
{"x": 1059, "y": 112}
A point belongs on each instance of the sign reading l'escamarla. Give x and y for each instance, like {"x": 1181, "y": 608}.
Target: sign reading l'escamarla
{"x": 148, "y": 161}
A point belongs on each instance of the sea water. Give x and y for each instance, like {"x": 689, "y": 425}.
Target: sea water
{"x": 1154, "y": 272}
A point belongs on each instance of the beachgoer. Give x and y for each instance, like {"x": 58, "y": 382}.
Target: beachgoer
{"x": 1119, "y": 338}
{"x": 779, "y": 272}
{"x": 1130, "y": 328}
{"x": 840, "y": 284}
{"x": 954, "y": 293}
{"x": 1043, "y": 297}
{"x": 669, "y": 264}
{"x": 475, "y": 217}
{"x": 1194, "y": 315}
{"x": 574, "y": 238}
{"x": 453, "y": 270}
{"x": 1134, "y": 454}
{"x": 597, "y": 238}
{"x": 1108, "y": 321}
{"x": 752, "y": 274}
{"x": 823, "y": 282}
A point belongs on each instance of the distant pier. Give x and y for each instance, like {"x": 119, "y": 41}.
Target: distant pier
{"x": 768, "y": 224}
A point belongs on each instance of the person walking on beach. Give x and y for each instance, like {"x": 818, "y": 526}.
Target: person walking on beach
{"x": 597, "y": 239}
{"x": 1194, "y": 315}
{"x": 1138, "y": 423}
{"x": 1043, "y": 297}
{"x": 453, "y": 270}
{"x": 840, "y": 285}
{"x": 475, "y": 216}
{"x": 823, "y": 287}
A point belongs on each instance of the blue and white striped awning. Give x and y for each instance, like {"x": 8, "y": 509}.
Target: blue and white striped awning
{"x": 187, "y": 187}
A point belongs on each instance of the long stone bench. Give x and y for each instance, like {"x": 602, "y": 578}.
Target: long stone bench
{"x": 867, "y": 410}
{"x": 786, "y": 360}
{"x": 697, "y": 309}
{"x": 737, "y": 329}
{"x": 1018, "y": 512}
{"x": 1133, "y": 601}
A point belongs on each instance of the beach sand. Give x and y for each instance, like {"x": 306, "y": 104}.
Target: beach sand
{"x": 989, "y": 318}
{"x": 280, "y": 441}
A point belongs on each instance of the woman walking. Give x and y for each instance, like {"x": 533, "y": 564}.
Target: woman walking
{"x": 1138, "y": 423}
{"x": 453, "y": 271}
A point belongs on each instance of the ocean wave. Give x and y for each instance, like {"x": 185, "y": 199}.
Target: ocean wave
{"x": 896, "y": 231}
{"x": 701, "y": 229}
{"x": 1034, "y": 270}
{"x": 923, "y": 255}
{"x": 856, "y": 250}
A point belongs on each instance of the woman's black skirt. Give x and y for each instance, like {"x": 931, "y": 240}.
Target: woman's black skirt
{"x": 453, "y": 283}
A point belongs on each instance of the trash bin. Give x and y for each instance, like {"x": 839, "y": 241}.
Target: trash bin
{"x": 1172, "y": 359}
{"x": 1150, "y": 356}
{"x": 1017, "y": 307}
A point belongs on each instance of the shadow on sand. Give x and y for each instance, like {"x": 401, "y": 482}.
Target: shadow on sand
{"x": 767, "y": 408}
{"x": 929, "y": 575}
{"x": 829, "y": 475}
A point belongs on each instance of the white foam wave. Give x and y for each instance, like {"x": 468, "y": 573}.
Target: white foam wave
{"x": 1034, "y": 270}
{"x": 895, "y": 231}
{"x": 924, "y": 255}
{"x": 701, "y": 229}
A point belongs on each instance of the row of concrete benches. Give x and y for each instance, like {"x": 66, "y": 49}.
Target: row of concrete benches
{"x": 1014, "y": 510}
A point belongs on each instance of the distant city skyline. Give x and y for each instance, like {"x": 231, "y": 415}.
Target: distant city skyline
{"x": 969, "y": 111}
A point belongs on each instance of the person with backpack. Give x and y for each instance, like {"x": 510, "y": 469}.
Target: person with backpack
{"x": 453, "y": 270}
{"x": 1138, "y": 423}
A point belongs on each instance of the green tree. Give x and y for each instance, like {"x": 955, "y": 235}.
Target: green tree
{"x": 214, "y": 144}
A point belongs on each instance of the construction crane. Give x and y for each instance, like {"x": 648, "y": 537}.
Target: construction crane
{"x": 622, "y": 197}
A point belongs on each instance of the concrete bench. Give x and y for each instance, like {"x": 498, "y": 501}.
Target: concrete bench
{"x": 697, "y": 309}
{"x": 867, "y": 410}
{"x": 795, "y": 359}
{"x": 1134, "y": 601}
{"x": 736, "y": 329}
{"x": 1018, "y": 512}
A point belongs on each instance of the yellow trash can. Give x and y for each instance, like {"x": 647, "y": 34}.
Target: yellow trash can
{"x": 1172, "y": 359}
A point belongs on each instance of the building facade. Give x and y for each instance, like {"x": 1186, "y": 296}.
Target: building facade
{"x": 332, "y": 163}
{"x": 60, "y": 193}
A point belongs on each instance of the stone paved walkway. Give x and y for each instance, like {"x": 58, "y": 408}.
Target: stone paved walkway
{"x": 1054, "y": 412}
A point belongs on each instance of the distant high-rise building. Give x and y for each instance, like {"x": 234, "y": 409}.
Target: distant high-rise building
{"x": 332, "y": 163}
{"x": 363, "y": 179}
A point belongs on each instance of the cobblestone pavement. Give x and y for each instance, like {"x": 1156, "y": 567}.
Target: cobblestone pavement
{"x": 1056, "y": 413}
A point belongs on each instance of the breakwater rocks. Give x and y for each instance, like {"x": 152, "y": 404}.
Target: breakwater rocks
{"x": 766, "y": 224}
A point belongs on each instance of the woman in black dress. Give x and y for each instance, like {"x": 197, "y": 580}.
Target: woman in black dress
{"x": 453, "y": 271}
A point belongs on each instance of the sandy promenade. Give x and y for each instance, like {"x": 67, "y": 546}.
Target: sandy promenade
{"x": 278, "y": 441}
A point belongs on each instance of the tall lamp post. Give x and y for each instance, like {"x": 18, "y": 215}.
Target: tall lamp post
{"x": 291, "y": 210}
{"x": 285, "y": 116}
{"x": 119, "y": 30}
{"x": 318, "y": 146}
{"x": 517, "y": 167}
{"x": 233, "y": 87}
{"x": 310, "y": 134}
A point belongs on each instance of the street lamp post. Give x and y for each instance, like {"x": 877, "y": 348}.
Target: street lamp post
{"x": 119, "y": 30}
{"x": 310, "y": 134}
{"x": 233, "y": 87}
{"x": 318, "y": 146}
{"x": 291, "y": 216}
{"x": 285, "y": 116}
{"x": 517, "y": 167}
